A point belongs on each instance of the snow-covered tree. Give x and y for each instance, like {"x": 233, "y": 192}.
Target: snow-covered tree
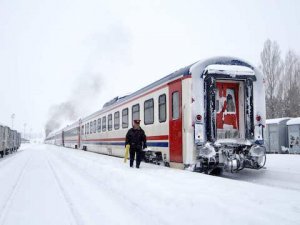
{"x": 291, "y": 84}
{"x": 282, "y": 81}
{"x": 271, "y": 65}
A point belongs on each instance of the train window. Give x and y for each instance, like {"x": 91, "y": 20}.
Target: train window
{"x": 175, "y": 105}
{"x": 117, "y": 120}
{"x": 104, "y": 123}
{"x": 109, "y": 122}
{"x": 99, "y": 125}
{"x": 135, "y": 112}
{"x": 91, "y": 127}
{"x": 88, "y": 128}
{"x": 230, "y": 106}
{"x": 125, "y": 118}
{"x": 82, "y": 129}
{"x": 149, "y": 112}
{"x": 162, "y": 108}
{"x": 95, "y": 126}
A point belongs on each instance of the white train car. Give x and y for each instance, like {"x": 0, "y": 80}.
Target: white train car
{"x": 50, "y": 139}
{"x": 208, "y": 116}
{"x": 71, "y": 138}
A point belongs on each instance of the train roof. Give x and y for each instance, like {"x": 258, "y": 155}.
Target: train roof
{"x": 185, "y": 71}
{"x": 277, "y": 120}
{"x": 238, "y": 66}
{"x": 294, "y": 121}
{"x": 223, "y": 64}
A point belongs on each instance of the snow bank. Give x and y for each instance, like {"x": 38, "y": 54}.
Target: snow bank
{"x": 56, "y": 185}
{"x": 277, "y": 120}
{"x": 294, "y": 121}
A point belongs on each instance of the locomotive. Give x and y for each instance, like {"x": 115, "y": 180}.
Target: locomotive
{"x": 208, "y": 117}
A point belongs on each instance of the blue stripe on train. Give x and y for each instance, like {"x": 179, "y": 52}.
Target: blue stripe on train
{"x": 149, "y": 144}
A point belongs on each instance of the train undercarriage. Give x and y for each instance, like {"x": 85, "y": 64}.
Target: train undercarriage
{"x": 230, "y": 157}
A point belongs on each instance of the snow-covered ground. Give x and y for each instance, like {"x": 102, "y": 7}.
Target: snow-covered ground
{"x": 43, "y": 185}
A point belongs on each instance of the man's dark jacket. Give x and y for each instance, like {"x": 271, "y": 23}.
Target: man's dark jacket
{"x": 136, "y": 138}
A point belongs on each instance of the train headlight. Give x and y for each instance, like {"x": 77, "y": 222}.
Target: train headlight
{"x": 207, "y": 151}
{"x": 258, "y": 156}
{"x": 257, "y": 151}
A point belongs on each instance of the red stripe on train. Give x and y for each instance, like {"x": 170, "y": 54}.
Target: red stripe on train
{"x": 150, "y": 138}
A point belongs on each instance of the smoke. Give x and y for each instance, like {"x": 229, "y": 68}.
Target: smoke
{"x": 83, "y": 95}
{"x": 106, "y": 50}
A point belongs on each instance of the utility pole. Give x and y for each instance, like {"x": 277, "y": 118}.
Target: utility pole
{"x": 12, "y": 120}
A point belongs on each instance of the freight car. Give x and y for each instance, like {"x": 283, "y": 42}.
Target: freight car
{"x": 10, "y": 140}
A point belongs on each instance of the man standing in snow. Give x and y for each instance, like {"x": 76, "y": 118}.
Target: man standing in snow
{"x": 136, "y": 138}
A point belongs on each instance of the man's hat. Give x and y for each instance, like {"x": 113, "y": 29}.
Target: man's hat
{"x": 137, "y": 121}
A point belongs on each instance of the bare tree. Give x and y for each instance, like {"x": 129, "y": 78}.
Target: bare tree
{"x": 271, "y": 65}
{"x": 290, "y": 81}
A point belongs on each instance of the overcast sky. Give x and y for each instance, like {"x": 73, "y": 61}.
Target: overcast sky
{"x": 52, "y": 49}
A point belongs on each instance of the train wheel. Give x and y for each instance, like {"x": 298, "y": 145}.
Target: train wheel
{"x": 216, "y": 171}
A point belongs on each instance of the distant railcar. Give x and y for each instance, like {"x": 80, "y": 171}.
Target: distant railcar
{"x": 19, "y": 140}
{"x": 10, "y": 140}
{"x": 7, "y": 140}
{"x": 15, "y": 140}
{"x": 2, "y": 141}
{"x": 208, "y": 116}
{"x": 294, "y": 135}
{"x": 276, "y": 135}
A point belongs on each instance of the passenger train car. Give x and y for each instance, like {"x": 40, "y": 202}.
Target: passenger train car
{"x": 10, "y": 140}
{"x": 208, "y": 116}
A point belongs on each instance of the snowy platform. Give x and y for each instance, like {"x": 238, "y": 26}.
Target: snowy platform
{"x": 43, "y": 184}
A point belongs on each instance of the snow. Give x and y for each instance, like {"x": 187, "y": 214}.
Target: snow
{"x": 294, "y": 121}
{"x": 43, "y": 184}
{"x": 239, "y": 141}
{"x": 276, "y": 120}
{"x": 229, "y": 69}
{"x": 3, "y": 125}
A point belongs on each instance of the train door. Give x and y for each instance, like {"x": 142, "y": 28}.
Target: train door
{"x": 175, "y": 121}
{"x": 227, "y": 110}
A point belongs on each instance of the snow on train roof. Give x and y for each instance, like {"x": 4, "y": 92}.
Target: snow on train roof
{"x": 232, "y": 70}
{"x": 224, "y": 63}
{"x": 294, "y": 121}
{"x": 277, "y": 120}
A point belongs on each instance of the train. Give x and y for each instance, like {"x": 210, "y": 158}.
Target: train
{"x": 10, "y": 140}
{"x": 208, "y": 117}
